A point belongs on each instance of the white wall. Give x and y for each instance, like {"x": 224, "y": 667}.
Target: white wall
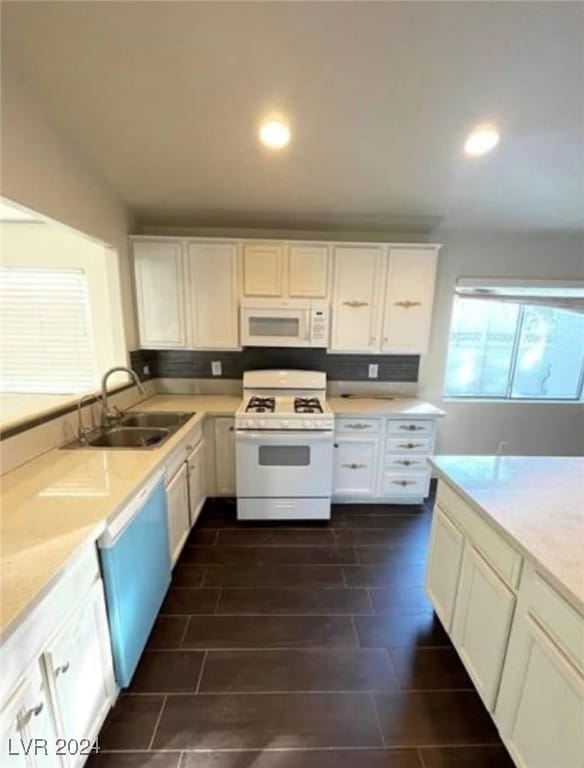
{"x": 479, "y": 427}
{"x": 42, "y": 170}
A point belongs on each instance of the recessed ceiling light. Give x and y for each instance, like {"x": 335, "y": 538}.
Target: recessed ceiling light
{"x": 482, "y": 140}
{"x": 275, "y": 134}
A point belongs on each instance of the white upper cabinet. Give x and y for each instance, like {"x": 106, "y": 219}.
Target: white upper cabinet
{"x": 212, "y": 269}
{"x": 308, "y": 268}
{"x": 158, "y": 269}
{"x": 355, "y": 304}
{"x": 409, "y": 294}
{"x": 263, "y": 269}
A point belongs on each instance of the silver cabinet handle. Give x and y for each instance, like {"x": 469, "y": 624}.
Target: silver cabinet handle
{"x": 406, "y": 462}
{"x": 407, "y": 304}
{"x": 356, "y": 304}
{"x": 411, "y": 445}
{"x": 63, "y": 669}
{"x": 412, "y": 428}
{"x": 23, "y": 720}
{"x": 403, "y": 483}
{"x": 355, "y": 466}
{"x": 358, "y": 425}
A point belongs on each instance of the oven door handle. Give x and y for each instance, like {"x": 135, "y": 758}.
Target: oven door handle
{"x": 272, "y": 435}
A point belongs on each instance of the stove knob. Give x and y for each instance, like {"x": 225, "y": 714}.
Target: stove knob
{"x": 318, "y": 424}
{"x": 284, "y": 422}
{"x": 307, "y": 423}
{"x": 262, "y": 423}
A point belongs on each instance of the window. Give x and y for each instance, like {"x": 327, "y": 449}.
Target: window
{"x": 46, "y": 340}
{"x": 516, "y": 343}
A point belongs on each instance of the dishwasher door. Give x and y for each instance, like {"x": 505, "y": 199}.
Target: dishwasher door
{"x": 136, "y": 572}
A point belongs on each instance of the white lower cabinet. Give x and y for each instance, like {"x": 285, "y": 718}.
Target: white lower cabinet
{"x": 195, "y": 465}
{"x": 444, "y": 561}
{"x": 79, "y": 672}
{"x": 355, "y": 466}
{"x": 541, "y": 705}
{"x": 521, "y": 642}
{"x": 540, "y": 708}
{"x": 179, "y": 524}
{"x": 482, "y": 621}
{"x": 27, "y": 729}
{"x": 57, "y": 683}
{"x": 225, "y": 456}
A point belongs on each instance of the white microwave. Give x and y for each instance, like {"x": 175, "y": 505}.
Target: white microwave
{"x": 284, "y": 323}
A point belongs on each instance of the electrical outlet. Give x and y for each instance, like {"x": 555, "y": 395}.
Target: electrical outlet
{"x": 216, "y": 368}
{"x": 145, "y": 370}
{"x": 373, "y": 370}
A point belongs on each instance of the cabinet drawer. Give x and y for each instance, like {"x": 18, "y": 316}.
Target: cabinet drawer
{"x": 410, "y": 428}
{"x": 500, "y": 555}
{"x": 408, "y": 445}
{"x": 564, "y": 625}
{"x": 358, "y": 426}
{"x": 405, "y": 463}
{"x": 405, "y": 483}
{"x": 181, "y": 454}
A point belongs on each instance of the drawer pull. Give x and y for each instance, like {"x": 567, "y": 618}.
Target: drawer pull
{"x": 24, "y": 719}
{"x": 358, "y": 425}
{"x": 231, "y": 429}
{"x": 355, "y": 466}
{"x": 63, "y": 669}
{"x": 356, "y": 304}
{"x": 406, "y": 462}
{"x": 411, "y": 445}
{"x": 407, "y": 304}
{"x": 412, "y": 428}
{"x": 403, "y": 483}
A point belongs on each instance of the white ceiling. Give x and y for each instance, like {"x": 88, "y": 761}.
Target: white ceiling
{"x": 165, "y": 97}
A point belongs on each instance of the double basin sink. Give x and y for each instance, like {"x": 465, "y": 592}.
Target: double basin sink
{"x": 137, "y": 429}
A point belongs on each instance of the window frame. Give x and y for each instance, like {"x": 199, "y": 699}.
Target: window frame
{"x": 507, "y": 397}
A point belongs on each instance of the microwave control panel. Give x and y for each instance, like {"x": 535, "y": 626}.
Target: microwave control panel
{"x": 319, "y": 326}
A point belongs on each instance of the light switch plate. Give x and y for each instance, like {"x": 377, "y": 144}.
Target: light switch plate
{"x": 216, "y": 368}
{"x": 373, "y": 370}
{"x": 145, "y": 370}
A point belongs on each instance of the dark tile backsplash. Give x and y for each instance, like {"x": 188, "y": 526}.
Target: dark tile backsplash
{"x": 184, "y": 364}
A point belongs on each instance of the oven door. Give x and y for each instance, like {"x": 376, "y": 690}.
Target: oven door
{"x": 284, "y": 464}
{"x": 264, "y": 327}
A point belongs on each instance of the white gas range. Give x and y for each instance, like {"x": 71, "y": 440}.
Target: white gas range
{"x": 284, "y": 447}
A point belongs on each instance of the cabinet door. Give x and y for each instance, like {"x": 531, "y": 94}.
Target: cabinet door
{"x": 78, "y": 665}
{"x": 225, "y": 456}
{"x": 27, "y": 716}
{"x": 177, "y": 495}
{"x": 355, "y": 305}
{"x": 482, "y": 622}
{"x": 540, "y": 708}
{"x": 355, "y": 466}
{"x": 444, "y": 560}
{"x": 308, "y": 271}
{"x": 195, "y": 464}
{"x": 213, "y": 306}
{"x": 262, "y": 269}
{"x": 408, "y": 302}
{"x": 158, "y": 268}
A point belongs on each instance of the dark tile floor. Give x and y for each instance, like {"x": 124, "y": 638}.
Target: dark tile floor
{"x": 301, "y": 646}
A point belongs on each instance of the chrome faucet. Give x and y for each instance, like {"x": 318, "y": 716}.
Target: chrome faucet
{"x": 113, "y": 414}
{"x": 82, "y": 430}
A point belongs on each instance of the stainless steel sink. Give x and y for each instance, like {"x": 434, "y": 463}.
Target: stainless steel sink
{"x": 127, "y": 437}
{"x": 138, "y": 430}
{"x": 155, "y": 419}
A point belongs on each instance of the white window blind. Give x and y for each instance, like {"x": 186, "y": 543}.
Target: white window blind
{"x": 46, "y": 339}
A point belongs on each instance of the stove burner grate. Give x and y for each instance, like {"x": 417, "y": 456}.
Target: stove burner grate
{"x": 307, "y": 405}
{"x": 261, "y": 404}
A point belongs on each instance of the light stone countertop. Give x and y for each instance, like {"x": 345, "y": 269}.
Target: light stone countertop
{"x": 56, "y": 504}
{"x": 537, "y": 503}
{"x": 382, "y": 406}
{"x": 53, "y": 506}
